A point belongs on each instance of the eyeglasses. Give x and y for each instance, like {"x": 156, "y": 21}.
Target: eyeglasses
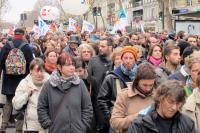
{"x": 173, "y": 102}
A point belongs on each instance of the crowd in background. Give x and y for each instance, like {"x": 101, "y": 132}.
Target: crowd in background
{"x": 104, "y": 83}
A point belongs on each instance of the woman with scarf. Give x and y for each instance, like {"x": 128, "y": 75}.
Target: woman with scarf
{"x": 155, "y": 55}
{"x": 130, "y": 101}
{"x": 27, "y": 93}
{"x": 118, "y": 79}
{"x": 51, "y": 58}
{"x": 64, "y": 103}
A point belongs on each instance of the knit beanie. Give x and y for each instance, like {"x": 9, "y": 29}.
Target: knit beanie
{"x": 130, "y": 49}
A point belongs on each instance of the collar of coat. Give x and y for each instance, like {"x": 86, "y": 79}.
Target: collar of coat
{"x": 30, "y": 83}
{"x": 134, "y": 92}
{"x": 56, "y": 80}
{"x": 193, "y": 100}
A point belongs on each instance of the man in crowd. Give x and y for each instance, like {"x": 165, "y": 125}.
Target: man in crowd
{"x": 164, "y": 115}
{"x": 171, "y": 63}
{"x": 97, "y": 69}
{"x": 11, "y": 81}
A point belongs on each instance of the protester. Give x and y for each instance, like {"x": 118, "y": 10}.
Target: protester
{"x": 27, "y": 94}
{"x": 64, "y": 103}
{"x": 116, "y": 80}
{"x": 12, "y": 74}
{"x": 51, "y": 58}
{"x": 116, "y": 57}
{"x": 192, "y": 106}
{"x": 98, "y": 66}
{"x": 171, "y": 64}
{"x": 155, "y": 55}
{"x": 134, "y": 99}
{"x": 164, "y": 115}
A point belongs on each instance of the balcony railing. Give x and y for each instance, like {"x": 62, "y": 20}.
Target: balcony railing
{"x": 138, "y": 3}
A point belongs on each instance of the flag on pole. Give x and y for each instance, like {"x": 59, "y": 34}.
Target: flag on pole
{"x": 36, "y": 29}
{"x": 122, "y": 21}
{"x": 72, "y": 24}
{"x": 87, "y": 26}
{"x": 43, "y": 27}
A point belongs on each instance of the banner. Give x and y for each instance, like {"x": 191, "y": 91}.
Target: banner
{"x": 87, "y": 26}
{"x": 72, "y": 24}
{"x": 43, "y": 27}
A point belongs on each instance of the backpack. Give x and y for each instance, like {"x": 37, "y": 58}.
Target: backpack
{"x": 15, "y": 63}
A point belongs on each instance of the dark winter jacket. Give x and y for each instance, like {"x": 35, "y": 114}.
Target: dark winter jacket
{"x": 108, "y": 91}
{"x": 97, "y": 69}
{"x": 146, "y": 123}
{"x": 64, "y": 106}
{"x": 10, "y": 82}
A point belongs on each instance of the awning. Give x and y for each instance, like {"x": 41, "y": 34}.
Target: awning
{"x": 189, "y": 14}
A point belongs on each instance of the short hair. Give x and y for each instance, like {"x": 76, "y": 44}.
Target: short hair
{"x": 64, "y": 59}
{"x": 170, "y": 88}
{"x": 145, "y": 71}
{"x": 168, "y": 50}
{"x": 37, "y": 62}
{"x": 180, "y": 34}
{"x": 189, "y": 50}
{"x": 192, "y": 36}
{"x": 116, "y": 52}
{"x": 108, "y": 39}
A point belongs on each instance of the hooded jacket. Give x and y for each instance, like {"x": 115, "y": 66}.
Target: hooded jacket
{"x": 64, "y": 105}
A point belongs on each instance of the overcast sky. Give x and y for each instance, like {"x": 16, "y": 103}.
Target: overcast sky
{"x": 16, "y": 8}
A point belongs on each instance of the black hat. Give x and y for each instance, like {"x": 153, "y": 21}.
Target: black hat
{"x": 74, "y": 39}
{"x": 19, "y": 31}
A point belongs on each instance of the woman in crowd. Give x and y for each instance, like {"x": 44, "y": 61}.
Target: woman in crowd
{"x": 155, "y": 55}
{"x": 27, "y": 94}
{"x": 86, "y": 52}
{"x": 51, "y": 58}
{"x": 64, "y": 103}
{"x": 134, "y": 99}
{"x": 116, "y": 57}
{"x": 192, "y": 106}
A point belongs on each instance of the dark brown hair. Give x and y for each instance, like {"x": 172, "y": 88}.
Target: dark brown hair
{"x": 170, "y": 88}
{"x": 64, "y": 59}
{"x": 145, "y": 71}
{"x": 151, "y": 49}
{"x": 168, "y": 50}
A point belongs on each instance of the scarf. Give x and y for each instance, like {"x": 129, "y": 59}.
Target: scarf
{"x": 57, "y": 79}
{"x": 18, "y": 37}
{"x": 155, "y": 61}
{"x": 50, "y": 67}
{"x": 131, "y": 73}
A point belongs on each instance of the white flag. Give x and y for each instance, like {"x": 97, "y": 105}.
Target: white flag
{"x": 44, "y": 28}
{"x": 72, "y": 24}
{"x": 87, "y": 26}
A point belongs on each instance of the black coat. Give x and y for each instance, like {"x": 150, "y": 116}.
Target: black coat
{"x": 108, "y": 91}
{"x": 10, "y": 82}
{"x": 146, "y": 124}
{"x": 73, "y": 114}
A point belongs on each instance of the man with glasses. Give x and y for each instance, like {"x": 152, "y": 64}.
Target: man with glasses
{"x": 164, "y": 115}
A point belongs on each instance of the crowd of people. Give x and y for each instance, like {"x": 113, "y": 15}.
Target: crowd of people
{"x": 100, "y": 82}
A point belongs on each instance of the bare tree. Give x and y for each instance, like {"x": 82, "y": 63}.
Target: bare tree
{"x": 166, "y": 8}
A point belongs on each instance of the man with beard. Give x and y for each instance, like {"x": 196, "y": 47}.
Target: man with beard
{"x": 170, "y": 65}
{"x": 98, "y": 66}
